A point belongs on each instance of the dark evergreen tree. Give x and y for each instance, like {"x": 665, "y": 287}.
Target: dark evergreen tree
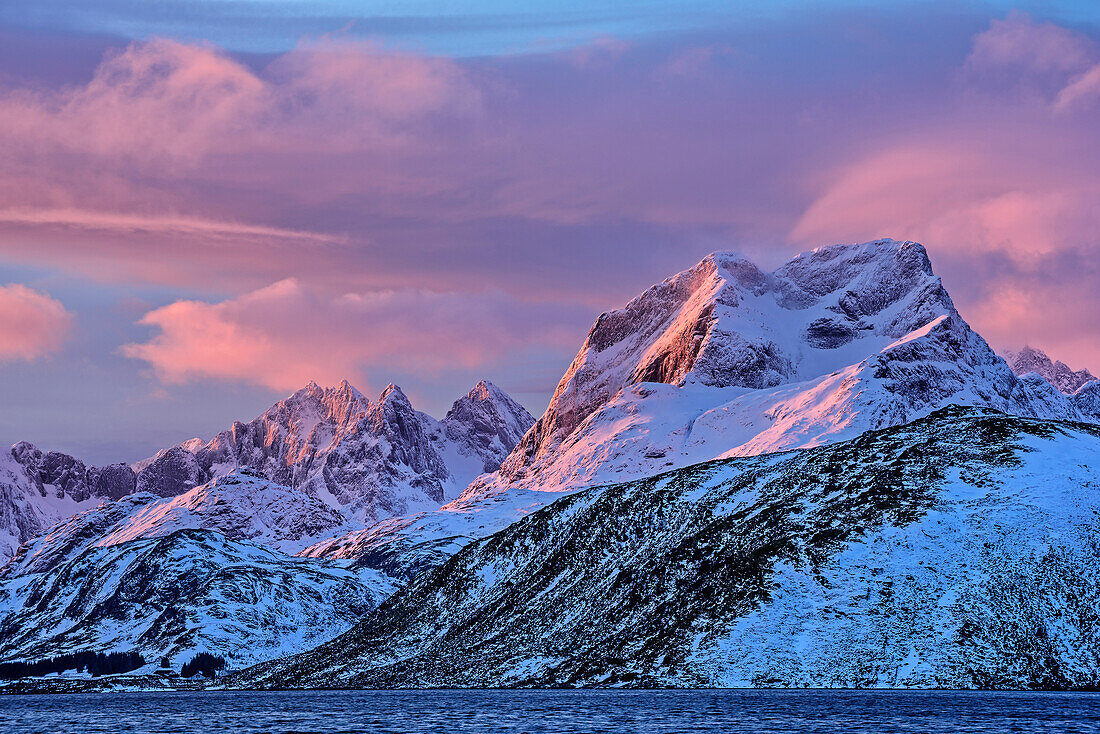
{"x": 95, "y": 663}
{"x": 204, "y": 663}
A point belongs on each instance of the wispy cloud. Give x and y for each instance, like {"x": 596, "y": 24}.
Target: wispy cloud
{"x": 114, "y": 222}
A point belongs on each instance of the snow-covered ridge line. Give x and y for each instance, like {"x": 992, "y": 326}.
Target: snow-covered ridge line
{"x": 366, "y": 459}
{"x": 724, "y": 360}
{"x": 370, "y": 459}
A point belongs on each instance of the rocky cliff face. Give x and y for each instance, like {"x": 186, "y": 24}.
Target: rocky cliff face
{"x": 956, "y": 551}
{"x": 37, "y": 489}
{"x": 1058, "y": 373}
{"x": 373, "y": 458}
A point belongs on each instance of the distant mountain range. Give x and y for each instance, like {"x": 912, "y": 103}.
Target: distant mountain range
{"x": 652, "y": 527}
{"x": 1029, "y": 360}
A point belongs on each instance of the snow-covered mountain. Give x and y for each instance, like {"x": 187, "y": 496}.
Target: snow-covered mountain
{"x": 186, "y": 592}
{"x": 1057, "y": 373}
{"x": 38, "y": 489}
{"x": 371, "y": 459}
{"x": 241, "y": 505}
{"x": 956, "y": 551}
{"x": 727, "y": 360}
{"x": 113, "y": 559}
{"x": 724, "y": 359}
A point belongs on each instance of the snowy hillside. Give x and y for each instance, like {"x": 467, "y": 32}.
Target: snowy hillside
{"x": 241, "y": 505}
{"x": 956, "y": 551}
{"x": 370, "y": 459}
{"x": 726, "y": 360}
{"x": 186, "y": 592}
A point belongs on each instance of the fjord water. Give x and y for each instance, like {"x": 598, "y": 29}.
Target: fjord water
{"x": 757, "y": 711}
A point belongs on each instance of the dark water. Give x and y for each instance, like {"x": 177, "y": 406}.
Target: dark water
{"x": 851, "y": 712}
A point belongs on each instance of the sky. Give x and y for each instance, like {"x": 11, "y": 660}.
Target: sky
{"x": 204, "y": 205}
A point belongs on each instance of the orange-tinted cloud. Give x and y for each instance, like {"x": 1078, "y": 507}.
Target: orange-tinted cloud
{"x": 32, "y": 324}
{"x": 285, "y": 334}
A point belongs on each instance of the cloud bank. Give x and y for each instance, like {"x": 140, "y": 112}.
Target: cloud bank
{"x": 476, "y": 206}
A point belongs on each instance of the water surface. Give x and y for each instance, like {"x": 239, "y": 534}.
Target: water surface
{"x": 760, "y": 712}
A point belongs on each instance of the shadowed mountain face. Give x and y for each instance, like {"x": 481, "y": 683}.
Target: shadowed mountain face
{"x": 184, "y": 592}
{"x": 956, "y": 551}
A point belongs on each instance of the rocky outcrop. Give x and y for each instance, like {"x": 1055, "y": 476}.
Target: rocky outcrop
{"x": 39, "y": 488}
{"x": 65, "y": 476}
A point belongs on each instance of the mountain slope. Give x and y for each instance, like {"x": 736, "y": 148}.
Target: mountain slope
{"x": 38, "y": 489}
{"x": 189, "y": 591}
{"x": 835, "y": 342}
{"x": 241, "y": 505}
{"x": 956, "y": 551}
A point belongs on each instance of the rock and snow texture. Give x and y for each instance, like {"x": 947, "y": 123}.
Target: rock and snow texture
{"x": 727, "y": 360}
{"x": 1057, "y": 373}
{"x": 186, "y": 592}
{"x": 372, "y": 459}
{"x": 1081, "y": 387}
{"x": 724, "y": 359}
{"x": 241, "y": 505}
{"x": 956, "y": 551}
{"x": 38, "y": 489}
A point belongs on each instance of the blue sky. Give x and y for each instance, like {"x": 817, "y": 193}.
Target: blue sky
{"x": 453, "y": 28}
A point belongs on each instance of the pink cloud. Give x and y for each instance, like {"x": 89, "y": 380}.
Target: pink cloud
{"x": 562, "y": 178}
{"x": 134, "y": 223}
{"x": 31, "y": 323}
{"x": 1018, "y": 42}
{"x": 285, "y": 334}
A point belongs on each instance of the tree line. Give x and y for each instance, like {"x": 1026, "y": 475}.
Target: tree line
{"x": 96, "y": 663}
{"x": 204, "y": 663}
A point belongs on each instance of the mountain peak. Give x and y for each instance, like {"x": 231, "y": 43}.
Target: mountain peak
{"x": 486, "y": 391}
{"x": 1030, "y": 359}
{"x": 726, "y": 323}
{"x": 393, "y": 393}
